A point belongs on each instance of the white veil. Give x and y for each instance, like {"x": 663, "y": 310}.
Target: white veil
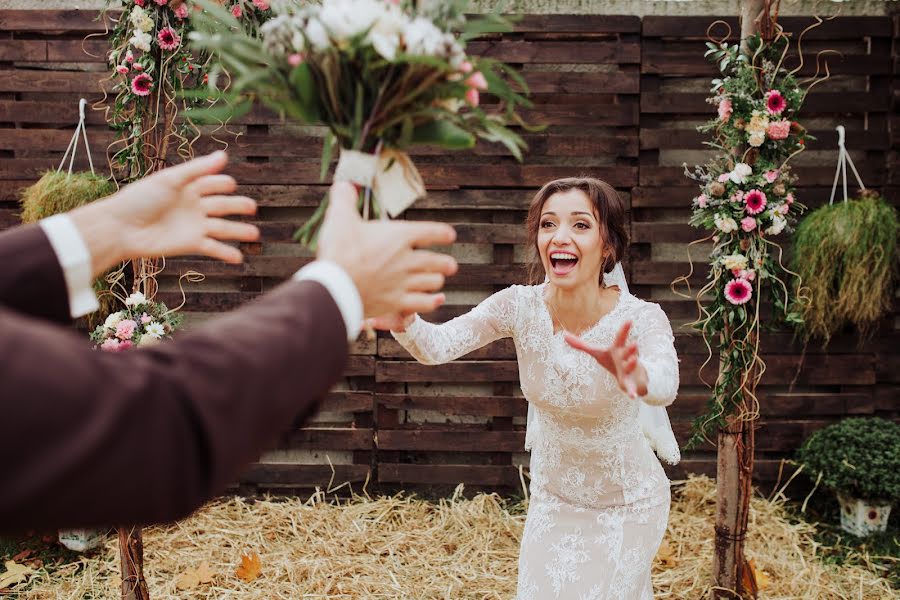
{"x": 654, "y": 419}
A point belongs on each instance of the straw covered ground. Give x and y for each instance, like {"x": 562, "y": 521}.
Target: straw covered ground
{"x": 402, "y": 547}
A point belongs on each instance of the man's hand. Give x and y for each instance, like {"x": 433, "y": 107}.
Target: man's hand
{"x": 172, "y": 212}
{"x": 384, "y": 258}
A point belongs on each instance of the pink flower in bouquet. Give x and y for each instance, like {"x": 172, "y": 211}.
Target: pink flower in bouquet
{"x": 161, "y": 2}
{"x": 748, "y": 224}
{"x": 476, "y": 80}
{"x": 145, "y": 318}
{"x": 125, "y": 329}
{"x": 748, "y": 274}
{"x": 771, "y": 176}
{"x": 725, "y": 109}
{"x": 737, "y": 196}
{"x": 472, "y": 96}
{"x": 139, "y": 2}
{"x": 261, "y": 4}
{"x": 125, "y": 345}
{"x": 295, "y": 59}
{"x": 138, "y": 67}
{"x": 141, "y": 84}
{"x": 783, "y": 209}
{"x": 168, "y": 38}
{"x": 236, "y": 11}
{"x": 110, "y": 345}
{"x": 182, "y": 11}
{"x": 702, "y": 200}
{"x": 123, "y": 68}
{"x": 738, "y": 291}
{"x": 789, "y": 198}
{"x": 129, "y": 57}
{"x": 724, "y": 177}
{"x": 755, "y": 202}
{"x": 466, "y": 67}
{"x": 778, "y": 130}
{"x": 775, "y": 102}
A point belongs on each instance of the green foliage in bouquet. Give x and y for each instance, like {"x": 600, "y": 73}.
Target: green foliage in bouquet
{"x": 142, "y": 322}
{"x": 58, "y": 192}
{"x": 380, "y": 76}
{"x": 858, "y": 457}
{"x": 747, "y": 199}
{"x": 847, "y": 255}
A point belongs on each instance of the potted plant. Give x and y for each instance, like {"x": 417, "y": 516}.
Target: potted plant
{"x": 859, "y": 459}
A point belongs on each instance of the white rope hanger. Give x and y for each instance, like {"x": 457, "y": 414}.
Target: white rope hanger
{"x": 73, "y": 143}
{"x": 841, "y": 173}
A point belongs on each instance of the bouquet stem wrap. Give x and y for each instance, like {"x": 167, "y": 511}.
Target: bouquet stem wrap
{"x": 390, "y": 174}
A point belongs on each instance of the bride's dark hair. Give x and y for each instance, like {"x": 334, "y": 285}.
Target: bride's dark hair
{"x": 608, "y": 208}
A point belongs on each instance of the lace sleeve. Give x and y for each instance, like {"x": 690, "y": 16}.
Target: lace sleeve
{"x": 656, "y": 345}
{"x": 433, "y": 344}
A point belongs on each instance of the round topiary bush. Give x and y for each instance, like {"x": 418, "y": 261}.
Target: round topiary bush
{"x": 858, "y": 457}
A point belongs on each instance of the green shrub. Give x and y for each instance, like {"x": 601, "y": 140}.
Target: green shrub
{"x": 858, "y": 457}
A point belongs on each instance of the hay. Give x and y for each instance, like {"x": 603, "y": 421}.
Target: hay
{"x": 56, "y": 193}
{"x": 401, "y": 547}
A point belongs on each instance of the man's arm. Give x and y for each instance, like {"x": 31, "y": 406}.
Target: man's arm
{"x": 31, "y": 276}
{"x": 148, "y": 435}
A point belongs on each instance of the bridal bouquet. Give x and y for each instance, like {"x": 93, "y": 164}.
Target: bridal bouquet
{"x": 141, "y": 323}
{"x": 381, "y": 75}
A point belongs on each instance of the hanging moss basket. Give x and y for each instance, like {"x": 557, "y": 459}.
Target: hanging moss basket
{"x": 846, "y": 254}
{"x": 58, "y": 192}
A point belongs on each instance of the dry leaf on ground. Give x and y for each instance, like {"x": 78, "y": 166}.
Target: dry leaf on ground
{"x": 250, "y": 567}
{"x": 15, "y": 573}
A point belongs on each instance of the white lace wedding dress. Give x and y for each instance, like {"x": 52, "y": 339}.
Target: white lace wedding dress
{"x": 599, "y": 496}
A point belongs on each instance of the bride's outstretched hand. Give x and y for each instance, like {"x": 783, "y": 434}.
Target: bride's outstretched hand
{"x": 395, "y": 322}
{"x": 620, "y": 359}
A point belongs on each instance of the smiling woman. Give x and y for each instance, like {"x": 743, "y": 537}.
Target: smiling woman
{"x": 599, "y": 497}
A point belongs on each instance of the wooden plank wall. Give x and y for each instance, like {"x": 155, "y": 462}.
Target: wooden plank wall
{"x": 621, "y": 97}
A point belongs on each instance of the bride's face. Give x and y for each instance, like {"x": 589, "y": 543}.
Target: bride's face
{"x": 569, "y": 240}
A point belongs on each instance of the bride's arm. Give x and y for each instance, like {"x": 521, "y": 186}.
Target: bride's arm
{"x": 433, "y": 344}
{"x": 656, "y": 345}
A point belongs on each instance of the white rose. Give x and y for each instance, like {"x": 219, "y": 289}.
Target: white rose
{"x": 740, "y": 173}
{"x": 385, "y": 34}
{"x": 141, "y": 41}
{"x": 422, "y": 37}
{"x": 735, "y": 261}
{"x": 113, "y": 320}
{"x": 778, "y": 225}
{"x": 135, "y": 299}
{"x": 317, "y": 35}
{"x": 726, "y": 224}
{"x": 345, "y": 19}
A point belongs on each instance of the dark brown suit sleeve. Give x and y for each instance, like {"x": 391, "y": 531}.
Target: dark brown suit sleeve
{"x": 31, "y": 280}
{"x": 94, "y": 438}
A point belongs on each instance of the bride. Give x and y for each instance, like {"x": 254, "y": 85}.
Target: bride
{"x": 599, "y": 497}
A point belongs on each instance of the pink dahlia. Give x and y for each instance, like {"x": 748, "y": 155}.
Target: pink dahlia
{"x": 725, "y": 109}
{"x": 738, "y": 291}
{"x": 775, "y": 102}
{"x": 748, "y": 224}
{"x": 142, "y": 84}
{"x": 168, "y": 38}
{"x": 754, "y": 202}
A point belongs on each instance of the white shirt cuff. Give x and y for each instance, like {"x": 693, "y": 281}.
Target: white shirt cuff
{"x": 75, "y": 260}
{"x": 341, "y": 288}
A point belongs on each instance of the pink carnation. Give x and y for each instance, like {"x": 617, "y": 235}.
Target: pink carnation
{"x": 725, "y": 109}
{"x": 775, "y": 102}
{"x": 139, "y": 2}
{"x": 789, "y": 198}
{"x": 261, "y": 4}
{"x": 748, "y": 224}
{"x": 748, "y": 274}
{"x": 125, "y": 345}
{"x": 779, "y": 130}
{"x": 142, "y": 84}
{"x": 129, "y": 56}
{"x": 737, "y": 196}
{"x": 168, "y": 38}
{"x": 771, "y": 176}
{"x": 161, "y": 2}
{"x": 738, "y": 291}
{"x": 145, "y": 318}
{"x": 181, "y": 12}
{"x": 122, "y": 69}
{"x": 236, "y": 11}
{"x": 702, "y": 200}
{"x": 110, "y": 345}
{"x": 125, "y": 329}
{"x": 724, "y": 177}
{"x": 754, "y": 202}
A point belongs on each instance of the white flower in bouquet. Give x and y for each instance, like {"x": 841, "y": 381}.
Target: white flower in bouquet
{"x": 317, "y": 35}
{"x": 148, "y": 340}
{"x": 740, "y": 173}
{"x": 777, "y": 226}
{"x": 136, "y": 299}
{"x": 385, "y": 33}
{"x": 114, "y": 319}
{"x": 344, "y": 19}
{"x": 734, "y": 261}
{"x": 141, "y": 40}
{"x": 141, "y": 20}
{"x": 154, "y": 329}
{"x": 422, "y": 37}
{"x": 725, "y": 224}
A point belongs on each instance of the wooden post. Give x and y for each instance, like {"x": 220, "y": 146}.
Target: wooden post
{"x": 131, "y": 552}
